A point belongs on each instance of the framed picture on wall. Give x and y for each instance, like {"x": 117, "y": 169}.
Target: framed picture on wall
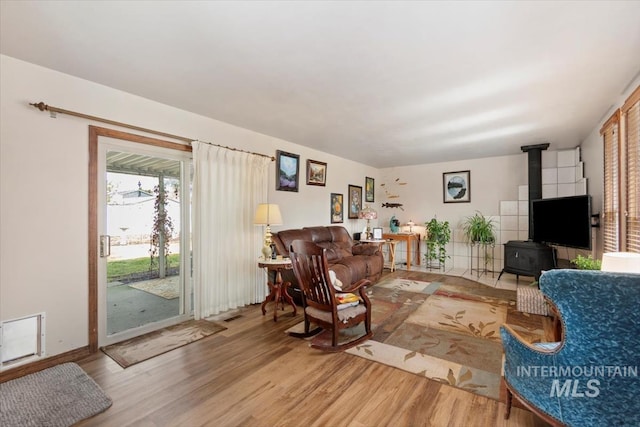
{"x": 355, "y": 201}
{"x": 316, "y": 173}
{"x": 369, "y": 189}
{"x": 337, "y": 208}
{"x": 456, "y": 187}
{"x": 287, "y": 171}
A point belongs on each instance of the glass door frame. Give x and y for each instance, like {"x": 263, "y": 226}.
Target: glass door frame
{"x": 97, "y": 196}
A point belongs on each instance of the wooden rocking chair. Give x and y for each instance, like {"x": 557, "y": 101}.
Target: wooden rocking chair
{"x": 319, "y": 298}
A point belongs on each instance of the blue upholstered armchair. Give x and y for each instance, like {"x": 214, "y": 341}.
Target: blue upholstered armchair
{"x": 591, "y": 377}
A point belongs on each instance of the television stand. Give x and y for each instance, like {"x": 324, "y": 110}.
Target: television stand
{"x": 527, "y": 258}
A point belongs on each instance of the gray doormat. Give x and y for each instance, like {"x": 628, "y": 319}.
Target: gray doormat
{"x": 55, "y": 397}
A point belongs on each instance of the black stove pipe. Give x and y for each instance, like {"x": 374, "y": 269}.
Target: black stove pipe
{"x": 535, "y": 176}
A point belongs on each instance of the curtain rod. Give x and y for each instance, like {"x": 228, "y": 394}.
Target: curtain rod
{"x": 53, "y": 110}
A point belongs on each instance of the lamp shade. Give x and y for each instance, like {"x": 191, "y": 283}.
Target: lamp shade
{"x": 367, "y": 213}
{"x": 621, "y": 262}
{"x": 267, "y": 214}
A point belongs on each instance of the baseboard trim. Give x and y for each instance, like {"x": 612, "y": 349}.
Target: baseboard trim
{"x": 30, "y": 368}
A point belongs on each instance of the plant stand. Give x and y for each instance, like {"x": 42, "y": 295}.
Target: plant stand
{"x": 430, "y": 262}
{"x": 483, "y": 249}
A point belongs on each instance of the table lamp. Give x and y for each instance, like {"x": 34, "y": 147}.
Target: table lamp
{"x": 411, "y": 224}
{"x": 267, "y": 214}
{"x": 621, "y": 262}
{"x": 368, "y": 214}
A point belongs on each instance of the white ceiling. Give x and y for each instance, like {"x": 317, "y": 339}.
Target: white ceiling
{"x": 383, "y": 83}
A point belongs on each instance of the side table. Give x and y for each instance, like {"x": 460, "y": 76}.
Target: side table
{"x": 392, "y": 254}
{"x": 277, "y": 289}
{"x": 409, "y": 238}
{"x": 392, "y": 250}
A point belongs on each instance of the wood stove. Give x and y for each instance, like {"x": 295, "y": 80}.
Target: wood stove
{"x": 528, "y": 258}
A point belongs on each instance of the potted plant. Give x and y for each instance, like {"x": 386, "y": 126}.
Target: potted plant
{"x": 479, "y": 229}
{"x": 437, "y": 235}
{"x": 586, "y": 263}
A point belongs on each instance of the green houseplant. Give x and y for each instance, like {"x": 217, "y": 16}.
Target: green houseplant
{"x": 438, "y": 234}
{"x": 586, "y": 263}
{"x": 479, "y": 229}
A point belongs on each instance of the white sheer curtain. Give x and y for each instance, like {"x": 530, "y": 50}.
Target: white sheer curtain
{"x": 227, "y": 187}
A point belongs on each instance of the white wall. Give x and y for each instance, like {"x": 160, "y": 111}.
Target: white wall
{"x": 44, "y": 189}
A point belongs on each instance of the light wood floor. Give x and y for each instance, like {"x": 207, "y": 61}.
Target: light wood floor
{"x": 253, "y": 374}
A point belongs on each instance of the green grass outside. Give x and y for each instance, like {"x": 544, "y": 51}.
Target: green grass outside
{"x": 136, "y": 265}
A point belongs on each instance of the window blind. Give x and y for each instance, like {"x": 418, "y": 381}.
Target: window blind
{"x": 621, "y": 199}
{"x": 610, "y": 224}
{"x": 631, "y": 117}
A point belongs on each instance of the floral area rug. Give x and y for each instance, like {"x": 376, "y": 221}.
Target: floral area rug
{"x": 445, "y": 328}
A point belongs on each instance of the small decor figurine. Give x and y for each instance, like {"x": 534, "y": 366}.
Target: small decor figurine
{"x": 393, "y": 205}
{"x": 273, "y": 251}
{"x": 394, "y": 224}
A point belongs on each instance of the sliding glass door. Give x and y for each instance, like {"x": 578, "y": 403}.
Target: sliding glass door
{"x": 144, "y": 266}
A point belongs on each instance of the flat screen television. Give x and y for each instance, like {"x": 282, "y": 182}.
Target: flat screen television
{"x": 563, "y": 221}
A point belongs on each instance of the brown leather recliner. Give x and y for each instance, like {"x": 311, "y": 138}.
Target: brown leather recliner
{"x": 351, "y": 262}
